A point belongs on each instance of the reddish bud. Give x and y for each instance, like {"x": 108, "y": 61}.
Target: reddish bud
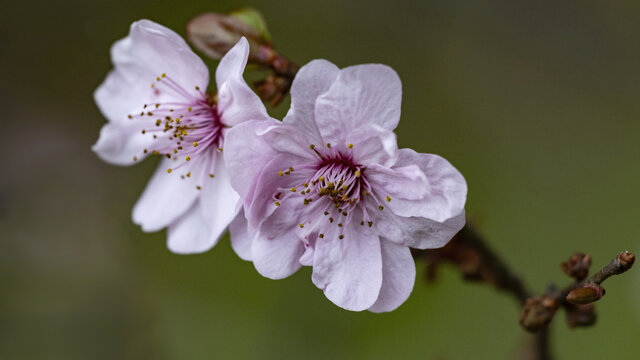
{"x": 577, "y": 266}
{"x": 586, "y": 294}
{"x": 538, "y": 312}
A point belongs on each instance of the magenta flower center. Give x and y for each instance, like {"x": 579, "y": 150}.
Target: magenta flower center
{"x": 335, "y": 192}
{"x": 186, "y": 128}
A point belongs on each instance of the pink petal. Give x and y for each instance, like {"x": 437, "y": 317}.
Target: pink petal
{"x": 166, "y": 197}
{"x": 246, "y": 154}
{"x": 447, "y": 192}
{"x": 276, "y": 248}
{"x": 123, "y": 143}
{"x": 219, "y": 202}
{"x": 349, "y": 270}
{"x": 190, "y": 233}
{"x": 236, "y": 101}
{"x": 362, "y": 95}
{"x": 241, "y": 240}
{"x": 232, "y": 64}
{"x": 418, "y": 232}
{"x": 147, "y": 52}
{"x": 262, "y": 204}
{"x": 311, "y": 81}
{"x": 405, "y": 182}
{"x": 398, "y": 277}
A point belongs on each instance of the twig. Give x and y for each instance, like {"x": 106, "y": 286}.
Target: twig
{"x": 478, "y": 263}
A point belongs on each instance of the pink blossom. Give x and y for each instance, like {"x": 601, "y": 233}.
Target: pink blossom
{"x": 155, "y": 102}
{"x": 329, "y": 188}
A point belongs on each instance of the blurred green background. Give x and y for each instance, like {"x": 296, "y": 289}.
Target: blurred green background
{"x": 538, "y": 104}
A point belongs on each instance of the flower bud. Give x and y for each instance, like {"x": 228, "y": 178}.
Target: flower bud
{"x": 538, "y": 312}
{"x": 626, "y": 260}
{"x": 215, "y": 34}
{"x": 586, "y": 294}
{"x": 580, "y": 315}
{"x": 577, "y": 266}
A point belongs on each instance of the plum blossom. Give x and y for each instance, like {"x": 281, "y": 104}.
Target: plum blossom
{"x": 329, "y": 188}
{"x": 155, "y": 101}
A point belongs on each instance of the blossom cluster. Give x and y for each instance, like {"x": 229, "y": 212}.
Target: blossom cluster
{"x": 326, "y": 187}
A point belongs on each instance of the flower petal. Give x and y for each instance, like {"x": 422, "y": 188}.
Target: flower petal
{"x": 219, "y": 202}
{"x": 349, "y": 270}
{"x": 405, "y": 182}
{"x": 147, "y": 52}
{"x": 311, "y": 81}
{"x": 398, "y": 277}
{"x": 232, "y": 64}
{"x": 418, "y": 232}
{"x": 246, "y": 154}
{"x": 447, "y": 192}
{"x": 277, "y": 249}
{"x": 241, "y": 240}
{"x": 166, "y": 197}
{"x": 361, "y": 95}
{"x": 190, "y": 233}
{"x": 236, "y": 101}
{"x": 262, "y": 204}
{"x": 123, "y": 143}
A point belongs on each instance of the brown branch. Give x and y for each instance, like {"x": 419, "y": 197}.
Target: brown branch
{"x": 576, "y": 298}
{"x": 470, "y": 253}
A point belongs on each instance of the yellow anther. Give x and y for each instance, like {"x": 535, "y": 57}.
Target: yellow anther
{"x": 293, "y": 189}
{"x": 175, "y": 151}
{"x": 280, "y": 173}
{"x": 220, "y": 148}
{"x": 188, "y": 158}
{"x": 158, "y": 122}
{"x": 321, "y": 235}
{"x": 370, "y": 223}
{"x": 350, "y": 146}
{"x": 326, "y": 213}
{"x": 305, "y": 185}
{"x": 189, "y": 174}
{"x": 331, "y": 219}
{"x": 198, "y": 187}
{"x": 144, "y": 132}
{"x": 321, "y": 178}
{"x": 388, "y": 198}
{"x": 164, "y": 75}
{"x": 195, "y": 143}
{"x": 344, "y": 187}
{"x": 135, "y": 158}
{"x": 189, "y": 108}
{"x": 310, "y": 146}
{"x": 277, "y": 203}
{"x": 381, "y": 207}
{"x": 291, "y": 169}
{"x": 169, "y": 171}
{"x": 197, "y": 88}
{"x": 157, "y": 106}
{"x": 341, "y": 237}
{"x": 339, "y": 224}
{"x": 212, "y": 175}
{"x": 184, "y": 132}
{"x": 130, "y": 117}
{"x": 158, "y": 78}
{"x": 301, "y": 226}
{"x": 357, "y": 173}
{"x": 328, "y": 146}
{"x": 362, "y": 223}
{"x": 146, "y": 151}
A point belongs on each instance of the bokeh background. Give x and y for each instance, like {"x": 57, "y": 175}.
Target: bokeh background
{"x": 538, "y": 104}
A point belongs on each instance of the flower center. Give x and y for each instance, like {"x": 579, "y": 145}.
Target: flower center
{"x": 337, "y": 189}
{"x": 185, "y": 128}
